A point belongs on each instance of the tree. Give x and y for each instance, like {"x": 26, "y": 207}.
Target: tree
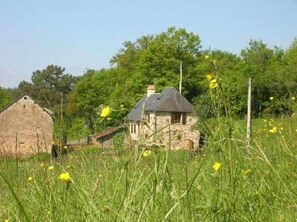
{"x": 155, "y": 59}
{"x": 49, "y": 86}
{"x": 223, "y": 66}
{"x": 5, "y": 97}
{"x": 290, "y": 72}
{"x": 265, "y": 67}
{"x": 89, "y": 94}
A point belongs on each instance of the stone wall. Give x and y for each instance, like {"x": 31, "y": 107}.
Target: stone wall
{"x": 157, "y": 129}
{"x": 25, "y": 128}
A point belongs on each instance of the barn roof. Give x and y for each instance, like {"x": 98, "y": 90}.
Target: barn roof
{"x": 49, "y": 112}
{"x": 169, "y": 100}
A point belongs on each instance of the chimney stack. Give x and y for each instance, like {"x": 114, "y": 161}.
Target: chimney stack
{"x": 150, "y": 90}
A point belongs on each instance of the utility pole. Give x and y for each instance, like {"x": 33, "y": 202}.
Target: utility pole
{"x": 249, "y": 109}
{"x": 61, "y": 122}
{"x": 180, "y": 77}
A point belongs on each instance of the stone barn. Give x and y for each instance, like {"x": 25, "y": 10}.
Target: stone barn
{"x": 25, "y": 128}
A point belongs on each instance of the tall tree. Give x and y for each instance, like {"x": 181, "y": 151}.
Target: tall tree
{"x": 49, "y": 86}
{"x": 156, "y": 59}
{"x": 91, "y": 92}
{"x": 260, "y": 63}
{"x": 52, "y": 85}
{"x": 290, "y": 73}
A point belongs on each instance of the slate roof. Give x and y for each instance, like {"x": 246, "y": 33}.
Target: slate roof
{"x": 170, "y": 100}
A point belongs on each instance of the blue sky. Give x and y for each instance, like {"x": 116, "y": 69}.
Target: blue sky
{"x": 83, "y": 34}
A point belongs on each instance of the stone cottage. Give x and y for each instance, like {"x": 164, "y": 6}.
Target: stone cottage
{"x": 25, "y": 128}
{"x": 163, "y": 119}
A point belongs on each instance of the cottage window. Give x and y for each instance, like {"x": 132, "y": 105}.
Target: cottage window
{"x": 175, "y": 117}
{"x": 184, "y": 119}
{"x": 133, "y": 128}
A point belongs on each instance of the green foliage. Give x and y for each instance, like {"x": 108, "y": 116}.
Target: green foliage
{"x": 5, "y": 98}
{"x": 49, "y": 86}
{"x": 77, "y": 130}
{"x": 88, "y": 94}
{"x": 265, "y": 66}
{"x": 156, "y": 59}
{"x": 290, "y": 70}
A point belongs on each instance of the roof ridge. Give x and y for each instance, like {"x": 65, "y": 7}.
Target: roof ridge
{"x": 48, "y": 111}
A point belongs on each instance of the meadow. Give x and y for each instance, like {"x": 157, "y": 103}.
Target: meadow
{"x": 228, "y": 180}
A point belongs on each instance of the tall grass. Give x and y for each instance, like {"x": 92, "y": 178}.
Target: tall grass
{"x": 254, "y": 183}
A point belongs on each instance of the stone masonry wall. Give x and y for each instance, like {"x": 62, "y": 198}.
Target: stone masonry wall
{"x": 25, "y": 128}
{"x": 172, "y": 136}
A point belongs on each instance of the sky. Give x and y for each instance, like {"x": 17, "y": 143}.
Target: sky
{"x": 85, "y": 34}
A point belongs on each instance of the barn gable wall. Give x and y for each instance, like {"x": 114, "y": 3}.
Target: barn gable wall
{"x": 25, "y": 128}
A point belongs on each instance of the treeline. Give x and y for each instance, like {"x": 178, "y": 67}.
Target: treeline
{"x": 156, "y": 59}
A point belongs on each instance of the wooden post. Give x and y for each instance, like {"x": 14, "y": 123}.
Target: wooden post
{"x": 249, "y": 108}
{"x": 181, "y": 77}
{"x": 61, "y": 123}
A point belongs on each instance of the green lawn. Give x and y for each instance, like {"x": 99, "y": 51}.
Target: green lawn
{"x": 249, "y": 183}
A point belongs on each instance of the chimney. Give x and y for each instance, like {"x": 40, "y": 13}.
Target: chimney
{"x": 150, "y": 90}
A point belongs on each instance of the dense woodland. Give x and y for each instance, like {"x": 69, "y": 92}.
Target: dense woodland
{"x": 155, "y": 59}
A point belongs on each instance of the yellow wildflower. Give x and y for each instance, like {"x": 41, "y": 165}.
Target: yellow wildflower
{"x": 6, "y": 220}
{"x": 217, "y": 166}
{"x": 30, "y": 179}
{"x": 106, "y": 112}
{"x": 51, "y": 167}
{"x": 273, "y": 130}
{"x": 146, "y": 153}
{"x": 209, "y": 77}
{"x": 65, "y": 177}
{"x": 70, "y": 156}
{"x": 42, "y": 165}
{"x": 293, "y": 98}
{"x": 247, "y": 172}
{"x": 271, "y": 98}
{"x": 213, "y": 83}
{"x": 206, "y": 57}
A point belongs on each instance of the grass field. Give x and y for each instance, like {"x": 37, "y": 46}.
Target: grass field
{"x": 228, "y": 181}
